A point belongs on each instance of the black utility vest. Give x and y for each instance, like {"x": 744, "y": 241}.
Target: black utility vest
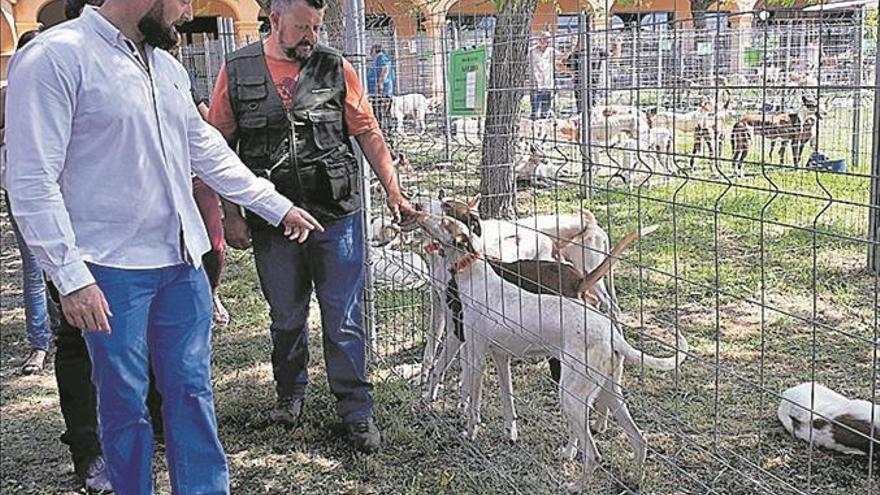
{"x": 320, "y": 173}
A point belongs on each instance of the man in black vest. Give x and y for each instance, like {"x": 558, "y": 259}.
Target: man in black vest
{"x": 291, "y": 106}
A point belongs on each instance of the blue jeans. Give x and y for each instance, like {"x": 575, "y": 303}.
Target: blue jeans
{"x": 161, "y": 317}
{"x": 542, "y": 102}
{"x": 332, "y": 262}
{"x": 38, "y": 310}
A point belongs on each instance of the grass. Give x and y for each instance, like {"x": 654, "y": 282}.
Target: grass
{"x": 765, "y": 276}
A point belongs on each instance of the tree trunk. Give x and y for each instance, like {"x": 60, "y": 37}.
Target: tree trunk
{"x": 698, "y": 12}
{"x": 507, "y": 78}
{"x": 333, "y": 23}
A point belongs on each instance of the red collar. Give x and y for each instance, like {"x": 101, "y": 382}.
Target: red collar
{"x": 466, "y": 262}
{"x": 433, "y": 247}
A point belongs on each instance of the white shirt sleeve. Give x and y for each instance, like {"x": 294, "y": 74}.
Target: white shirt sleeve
{"x": 215, "y": 163}
{"x": 39, "y": 115}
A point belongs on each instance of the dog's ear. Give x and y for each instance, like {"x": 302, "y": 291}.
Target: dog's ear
{"x": 462, "y": 241}
{"x": 459, "y": 236}
{"x": 475, "y": 224}
{"x": 474, "y": 203}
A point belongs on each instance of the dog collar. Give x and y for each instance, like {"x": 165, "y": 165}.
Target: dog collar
{"x": 466, "y": 262}
{"x": 433, "y": 247}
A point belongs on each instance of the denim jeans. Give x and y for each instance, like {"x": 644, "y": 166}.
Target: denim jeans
{"x": 161, "y": 317}
{"x": 39, "y": 312}
{"x": 332, "y": 262}
{"x": 542, "y": 102}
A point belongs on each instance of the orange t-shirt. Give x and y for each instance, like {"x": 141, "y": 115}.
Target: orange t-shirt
{"x": 358, "y": 113}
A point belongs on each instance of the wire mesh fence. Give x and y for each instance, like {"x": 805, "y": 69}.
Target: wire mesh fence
{"x": 750, "y": 149}
{"x": 760, "y": 257}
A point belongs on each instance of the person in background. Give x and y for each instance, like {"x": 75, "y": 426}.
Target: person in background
{"x": 571, "y": 62}
{"x": 76, "y": 394}
{"x": 543, "y": 61}
{"x": 380, "y": 86}
{"x": 41, "y": 316}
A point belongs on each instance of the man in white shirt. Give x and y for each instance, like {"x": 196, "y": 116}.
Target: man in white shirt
{"x": 102, "y": 139}
{"x": 542, "y": 61}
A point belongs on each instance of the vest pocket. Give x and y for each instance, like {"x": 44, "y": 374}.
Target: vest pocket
{"x": 252, "y": 88}
{"x": 254, "y": 136}
{"x": 338, "y": 181}
{"x": 327, "y": 128}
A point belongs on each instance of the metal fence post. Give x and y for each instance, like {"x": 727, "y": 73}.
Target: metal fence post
{"x": 857, "y": 94}
{"x": 355, "y": 52}
{"x": 874, "y": 211}
{"x": 586, "y": 90}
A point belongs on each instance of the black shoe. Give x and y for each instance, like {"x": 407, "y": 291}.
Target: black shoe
{"x": 287, "y": 411}
{"x": 363, "y": 435}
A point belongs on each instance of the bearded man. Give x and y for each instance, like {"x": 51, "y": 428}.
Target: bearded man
{"x": 291, "y": 106}
{"x": 102, "y": 140}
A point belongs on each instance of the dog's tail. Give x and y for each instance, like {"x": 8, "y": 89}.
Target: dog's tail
{"x": 636, "y": 356}
{"x": 604, "y": 268}
{"x": 589, "y": 222}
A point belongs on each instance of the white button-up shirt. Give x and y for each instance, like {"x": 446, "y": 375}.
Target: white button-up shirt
{"x": 543, "y": 66}
{"x": 100, "y": 155}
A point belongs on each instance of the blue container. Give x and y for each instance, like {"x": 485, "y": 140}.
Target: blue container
{"x": 838, "y": 166}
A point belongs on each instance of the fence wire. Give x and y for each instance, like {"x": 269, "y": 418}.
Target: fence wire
{"x": 750, "y": 144}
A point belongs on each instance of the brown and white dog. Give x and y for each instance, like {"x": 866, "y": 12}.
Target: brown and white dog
{"x": 822, "y": 417}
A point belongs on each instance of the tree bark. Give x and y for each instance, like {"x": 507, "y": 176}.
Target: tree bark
{"x": 333, "y": 23}
{"x": 507, "y": 77}
{"x": 698, "y": 12}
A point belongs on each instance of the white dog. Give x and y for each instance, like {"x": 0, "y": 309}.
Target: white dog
{"x": 413, "y": 105}
{"x": 503, "y": 320}
{"x": 836, "y": 422}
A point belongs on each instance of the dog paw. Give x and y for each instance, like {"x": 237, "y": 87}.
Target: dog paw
{"x": 470, "y": 434}
{"x": 513, "y": 433}
{"x": 575, "y": 486}
{"x": 567, "y": 452}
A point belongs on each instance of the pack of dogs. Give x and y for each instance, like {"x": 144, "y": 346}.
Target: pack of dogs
{"x": 543, "y": 286}
{"x": 646, "y": 135}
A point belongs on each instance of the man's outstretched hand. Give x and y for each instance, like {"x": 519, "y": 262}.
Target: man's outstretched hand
{"x": 402, "y": 211}
{"x": 298, "y": 224}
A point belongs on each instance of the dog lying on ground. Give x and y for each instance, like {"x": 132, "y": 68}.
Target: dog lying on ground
{"x": 836, "y": 422}
{"x": 502, "y": 320}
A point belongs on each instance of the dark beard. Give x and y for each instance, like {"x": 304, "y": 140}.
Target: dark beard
{"x": 155, "y": 33}
{"x": 292, "y": 54}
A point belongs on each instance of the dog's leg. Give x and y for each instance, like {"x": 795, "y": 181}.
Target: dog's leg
{"x": 577, "y": 412}
{"x": 433, "y": 336}
{"x": 502, "y": 363}
{"x": 797, "y": 150}
{"x": 475, "y": 384}
{"x": 615, "y": 388}
{"x": 698, "y": 148}
{"x": 610, "y": 400}
{"x": 420, "y": 116}
{"x": 448, "y": 350}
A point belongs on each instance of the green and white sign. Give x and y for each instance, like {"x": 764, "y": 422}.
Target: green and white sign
{"x": 467, "y": 83}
